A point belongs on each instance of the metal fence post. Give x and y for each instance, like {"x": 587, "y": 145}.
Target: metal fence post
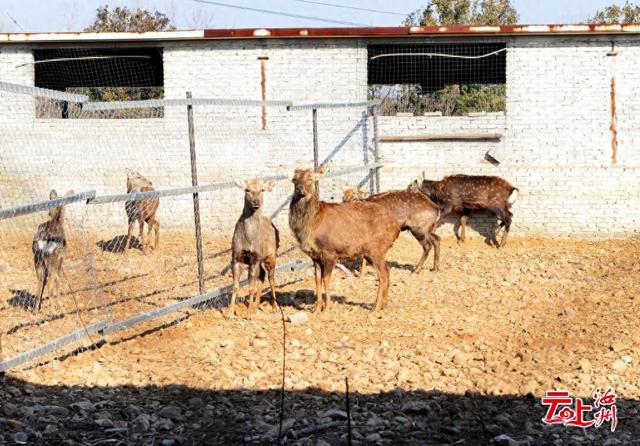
{"x": 376, "y": 147}
{"x": 367, "y": 149}
{"x": 196, "y": 198}
{"x": 316, "y": 156}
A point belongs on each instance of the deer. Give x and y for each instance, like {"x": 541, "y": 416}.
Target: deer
{"x": 141, "y": 211}
{"x": 463, "y": 194}
{"x": 255, "y": 243}
{"x": 49, "y": 248}
{"x": 414, "y": 212}
{"x": 327, "y": 232}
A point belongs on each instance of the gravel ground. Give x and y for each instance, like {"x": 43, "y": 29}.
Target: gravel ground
{"x": 461, "y": 357}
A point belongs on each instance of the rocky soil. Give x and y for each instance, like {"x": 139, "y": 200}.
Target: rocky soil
{"x": 461, "y": 357}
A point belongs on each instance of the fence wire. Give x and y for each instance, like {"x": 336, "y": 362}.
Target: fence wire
{"x": 131, "y": 160}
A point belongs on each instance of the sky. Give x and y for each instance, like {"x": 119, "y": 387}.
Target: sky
{"x": 74, "y": 15}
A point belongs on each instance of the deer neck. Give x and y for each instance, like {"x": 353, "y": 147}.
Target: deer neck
{"x": 303, "y": 213}
{"x": 58, "y": 215}
{"x": 249, "y": 212}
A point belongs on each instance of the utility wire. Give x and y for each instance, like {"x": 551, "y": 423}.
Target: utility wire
{"x": 15, "y": 22}
{"x": 273, "y": 12}
{"x": 334, "y": 5}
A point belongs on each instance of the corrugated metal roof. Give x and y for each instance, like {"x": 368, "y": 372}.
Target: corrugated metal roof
{"x": 300, "y": 33}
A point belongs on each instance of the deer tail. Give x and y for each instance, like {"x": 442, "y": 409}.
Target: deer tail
{"x": 513, "y": 196}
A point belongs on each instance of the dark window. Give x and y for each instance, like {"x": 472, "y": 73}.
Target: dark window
{"x": 126, "y": 74}
{"x": 451, "y": 78}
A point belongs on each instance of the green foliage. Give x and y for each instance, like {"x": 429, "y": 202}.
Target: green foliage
{"x": 464, "y": 12}
{"x": 629, "y": 13}
{"x": 453, "y": 99}
{"x": 123, "y": 19}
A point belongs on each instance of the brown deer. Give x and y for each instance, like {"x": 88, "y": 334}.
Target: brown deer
{"x": 49, "y": 247}
{"x": 464, "y": 194}
{"x": 141, "y": 210}
{"x": 354, "y": 194}
{"x": 327, "y": 232}
{"x": 414, "y": 212}
{"x": 255, "y": 243}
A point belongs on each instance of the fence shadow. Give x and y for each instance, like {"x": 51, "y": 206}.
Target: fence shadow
{"x": 22, "y": 299}
{"x": 179, "y": 414}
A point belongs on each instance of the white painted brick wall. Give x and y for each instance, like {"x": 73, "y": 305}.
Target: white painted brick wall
{"x": 556, "y": 145}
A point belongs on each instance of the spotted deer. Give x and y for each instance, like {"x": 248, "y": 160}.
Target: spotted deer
{"x": 414, "y": 212}
{"x": 463, "y": 194}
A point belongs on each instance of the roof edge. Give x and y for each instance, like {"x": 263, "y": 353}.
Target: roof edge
{"x": 402, "y": 31}
{"x": 298, "y": 33}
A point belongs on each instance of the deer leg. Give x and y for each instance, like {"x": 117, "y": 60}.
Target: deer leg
{"x": 506, "y": 220}
{"x": 254, "y": 286}
{"x": 363, "y": 263}
{"x": 383, "y": 282}
{"x": 149, "y": 229}
{"x": 327, "y": 270}
{"x": 129, "y": 231}
{"x": 235, "y": 271}
{"x": 425, "y": 242}
{"x": 463, "y": 224}
{"x": 262, "y": 276}
{"x": 270, "y": 265}
{"x": 156, "y": 228}
{"x": 318, "y": 275}
{"x": 57, "y": 280}
{"x": 435, "y": 241}
{"x": 41, "y": 272}
{"x": 141, "y": 235}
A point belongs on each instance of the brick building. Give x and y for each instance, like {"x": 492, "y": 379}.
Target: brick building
{"x": 567, "y": 133}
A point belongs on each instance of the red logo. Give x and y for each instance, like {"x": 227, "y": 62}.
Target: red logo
{"x": 562, "y": 410}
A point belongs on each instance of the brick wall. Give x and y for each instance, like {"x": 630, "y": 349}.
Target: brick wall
{"x": 556, "y": 146}
{"x": 557, "y": 142}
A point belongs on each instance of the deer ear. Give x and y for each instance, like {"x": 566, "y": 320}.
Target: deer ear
{"x": 53, "y": 194}
{"x": 240, "y": 183}
{"x": 269, "y": 186}
{"x": 322, "y": 171}
{"x": 424, "y": 174}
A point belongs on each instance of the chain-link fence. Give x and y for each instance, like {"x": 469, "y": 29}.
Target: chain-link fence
{"x": 168, "y": 163}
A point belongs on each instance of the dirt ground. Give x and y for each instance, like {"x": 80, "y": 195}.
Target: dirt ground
{"x": 462, "y": 356}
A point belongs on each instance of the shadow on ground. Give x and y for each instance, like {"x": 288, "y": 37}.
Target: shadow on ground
{"x": 22, "y": 299}
{"x": 118, "y": 244}
{"x": 484, "y": 223}
{"x": 176, "y": 414}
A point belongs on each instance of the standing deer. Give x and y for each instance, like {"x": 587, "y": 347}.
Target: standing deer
{"x": 255, "y": 243}
{"x": 141, "y": 210}
{"x": 327, "y": 232}
{"x": 414, "y": 212}
{"x": 49, "y": 247}
{"x": 466, "y": 193}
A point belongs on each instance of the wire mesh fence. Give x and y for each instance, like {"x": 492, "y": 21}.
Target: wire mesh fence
{"x": 450, "y": 79}
{"x": 141, "y": 177}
